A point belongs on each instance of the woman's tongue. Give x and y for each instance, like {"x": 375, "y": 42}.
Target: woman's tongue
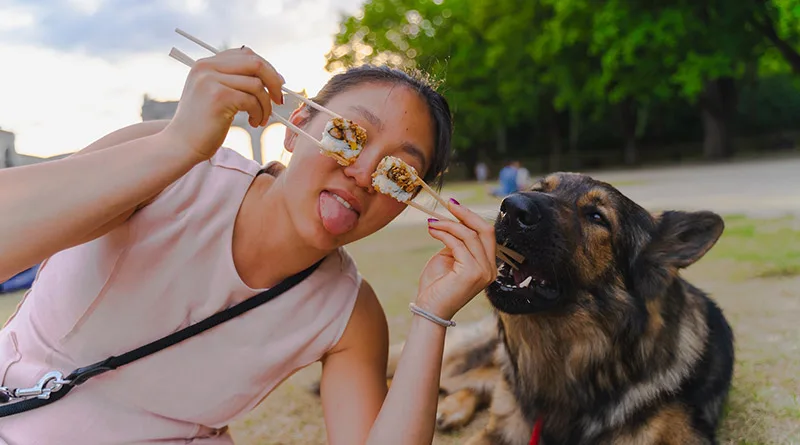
{"x": 336, "y": 218}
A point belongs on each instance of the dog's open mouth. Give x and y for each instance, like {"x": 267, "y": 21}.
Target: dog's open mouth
{"x": 527, "y": 281}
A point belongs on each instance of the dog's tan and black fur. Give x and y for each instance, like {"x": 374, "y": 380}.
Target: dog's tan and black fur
{"x": 606, "y": 343}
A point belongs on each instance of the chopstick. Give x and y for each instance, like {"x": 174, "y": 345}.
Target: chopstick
{"x": 431, "y": 192}
{"x": 504, "y": 253}
{"x": 283, "y": 88}
{"x": 511, "y": 253}
{"x": 188, "y": 61}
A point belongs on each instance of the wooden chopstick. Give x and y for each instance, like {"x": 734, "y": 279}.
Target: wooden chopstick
{"x": 297, "y": 129}
{"x": 506, "y": 260}
{"x": 500, "y": 249}
{"x": 512, "y": 253}
{"x": 310, "y": 103}
{"x": 431, "y": 192}
{"x": 188, "y": 61}
{"x": 504, "y": 253}
{"x": 197, "y": 41}
{"x": 283, "y": 88}
{"x": 424, "y": 209}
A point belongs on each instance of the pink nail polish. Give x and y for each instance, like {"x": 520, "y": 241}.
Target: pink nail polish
{"x": 454, "y": 202}
{"x": 432, "y": 220}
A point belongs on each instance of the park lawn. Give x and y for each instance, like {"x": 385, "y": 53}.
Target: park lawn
{"x": 471, "y": 193}
{"x": 752, "y": 272}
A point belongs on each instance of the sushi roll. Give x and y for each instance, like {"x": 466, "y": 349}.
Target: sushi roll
{"x": 395, "y": 178}
{"x": 343, "y": 140}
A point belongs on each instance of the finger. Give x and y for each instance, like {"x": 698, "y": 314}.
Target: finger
{"x": 253, "y": 86}
{"x": 467, "y": 236}
{"x": 245, "y": 61}
{"x": 459, "y": 250}
{"x": 475, "y": 222}
{"x": 246, "y": 102}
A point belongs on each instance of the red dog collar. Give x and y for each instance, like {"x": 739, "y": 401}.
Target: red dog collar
{"x": 537, "y": 432}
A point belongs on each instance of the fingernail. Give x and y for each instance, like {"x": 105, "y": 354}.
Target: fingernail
{"x": 454, "y": 202}
{"x": 432, "y": 220}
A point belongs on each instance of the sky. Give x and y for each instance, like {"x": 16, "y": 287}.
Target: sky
{"x": 72, "y": 71}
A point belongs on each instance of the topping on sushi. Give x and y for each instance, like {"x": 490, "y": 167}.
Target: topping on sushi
{"x": 395, "y": 178}
{"x": 343, "y": 140}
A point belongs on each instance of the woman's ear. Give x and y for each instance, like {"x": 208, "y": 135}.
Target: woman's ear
{"x": 299, "y": 118}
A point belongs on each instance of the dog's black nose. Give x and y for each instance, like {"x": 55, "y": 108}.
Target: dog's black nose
{"x": 522, "y": 209}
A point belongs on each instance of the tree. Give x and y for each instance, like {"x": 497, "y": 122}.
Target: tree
{"x": 440, "y": 38}
{"x": 777, "y": 21}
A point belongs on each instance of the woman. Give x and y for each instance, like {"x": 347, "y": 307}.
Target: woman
{"x": 188, "y": 230}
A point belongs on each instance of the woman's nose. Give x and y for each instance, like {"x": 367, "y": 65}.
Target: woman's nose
{"x": 361, "y": 171}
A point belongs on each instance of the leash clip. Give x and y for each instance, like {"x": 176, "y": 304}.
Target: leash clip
{"x": 81, "y": 375}
{"x": 51, "y": 382}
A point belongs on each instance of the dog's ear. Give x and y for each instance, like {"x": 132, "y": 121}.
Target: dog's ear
{"x": 682, "y": 238}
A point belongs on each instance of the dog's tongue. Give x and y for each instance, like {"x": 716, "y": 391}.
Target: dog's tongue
{"x": 336, "y": 218}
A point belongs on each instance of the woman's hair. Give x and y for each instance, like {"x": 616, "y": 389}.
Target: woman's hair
{"x": 437, "y": 105}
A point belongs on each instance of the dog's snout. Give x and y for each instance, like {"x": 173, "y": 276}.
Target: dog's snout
{"x": 522, "y": 209}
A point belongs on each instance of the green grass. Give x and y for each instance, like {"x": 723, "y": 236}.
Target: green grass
{"x": 761, "y": 248}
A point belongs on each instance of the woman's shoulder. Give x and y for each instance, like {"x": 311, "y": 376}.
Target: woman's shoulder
{"x": 231, "y": 159}
{"x": 225, "y": 172}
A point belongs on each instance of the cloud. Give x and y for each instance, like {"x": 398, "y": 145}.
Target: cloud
{"x": 113, "y": 29}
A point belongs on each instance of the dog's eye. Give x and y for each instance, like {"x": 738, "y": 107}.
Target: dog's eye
{"x": 597, "y": 218}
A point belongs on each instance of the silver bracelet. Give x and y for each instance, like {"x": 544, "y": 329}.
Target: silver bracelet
{"x": 423, "y": 313}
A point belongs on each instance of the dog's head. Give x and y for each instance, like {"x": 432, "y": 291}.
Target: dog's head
{"x": 584, "y": 242}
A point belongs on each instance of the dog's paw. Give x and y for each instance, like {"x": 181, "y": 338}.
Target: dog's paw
{"x": 456, "y": 410}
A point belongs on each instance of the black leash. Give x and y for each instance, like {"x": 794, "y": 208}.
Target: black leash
{"x": 53, "y": 386}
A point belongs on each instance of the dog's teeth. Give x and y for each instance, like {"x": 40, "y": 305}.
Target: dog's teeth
{"x": 526, "y": 282}
{"x": 542, "y": 283}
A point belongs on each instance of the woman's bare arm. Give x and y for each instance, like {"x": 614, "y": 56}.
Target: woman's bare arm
{"x": 55, "y": 205}
{"x": 52, "y": 206}
{"x": 358, "y": 408}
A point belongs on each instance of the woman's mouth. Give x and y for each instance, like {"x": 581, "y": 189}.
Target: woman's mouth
{"x": 342, "y": 201}
{"x": 339, "y": 215}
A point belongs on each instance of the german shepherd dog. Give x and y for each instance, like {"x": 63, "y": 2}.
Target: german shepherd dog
{"x": 595, "y": 337}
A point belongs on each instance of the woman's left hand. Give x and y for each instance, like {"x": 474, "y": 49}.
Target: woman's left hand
{"x": 463, "y": 268}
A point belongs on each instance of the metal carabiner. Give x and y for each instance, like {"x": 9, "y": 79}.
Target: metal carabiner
{"x": 43, "y": 387}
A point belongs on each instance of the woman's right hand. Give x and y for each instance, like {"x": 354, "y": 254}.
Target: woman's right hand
{"x": 216, "y": 89}
{"x": 463, "y": 268}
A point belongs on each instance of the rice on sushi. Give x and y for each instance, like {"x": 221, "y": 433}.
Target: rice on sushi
{"x": 343, "y": 140}
{"x": 395, "y": 178}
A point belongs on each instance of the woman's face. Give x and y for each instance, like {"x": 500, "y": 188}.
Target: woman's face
{"x": 397, "y": 122}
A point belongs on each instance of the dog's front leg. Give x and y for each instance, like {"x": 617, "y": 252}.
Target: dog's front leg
{"x": 467, "y": 393}
{"x": 507, "y": 425}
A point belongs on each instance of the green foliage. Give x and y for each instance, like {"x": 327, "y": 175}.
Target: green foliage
{"x": 507, "y": 63}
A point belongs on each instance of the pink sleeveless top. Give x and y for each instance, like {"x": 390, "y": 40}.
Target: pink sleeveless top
{"x": 169, "y": 266}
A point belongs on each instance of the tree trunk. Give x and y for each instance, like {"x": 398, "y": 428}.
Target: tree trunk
{"x": 554, "y": 135}
{"x": 470, "y": 158}
{"x": 628, "y": 120}
{"x": 501, "y": 139}
{"x": 718, "y": 104}
{"x": 574, "y": 136}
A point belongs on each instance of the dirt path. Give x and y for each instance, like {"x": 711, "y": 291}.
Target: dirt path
{"x": 763, "y": 188}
